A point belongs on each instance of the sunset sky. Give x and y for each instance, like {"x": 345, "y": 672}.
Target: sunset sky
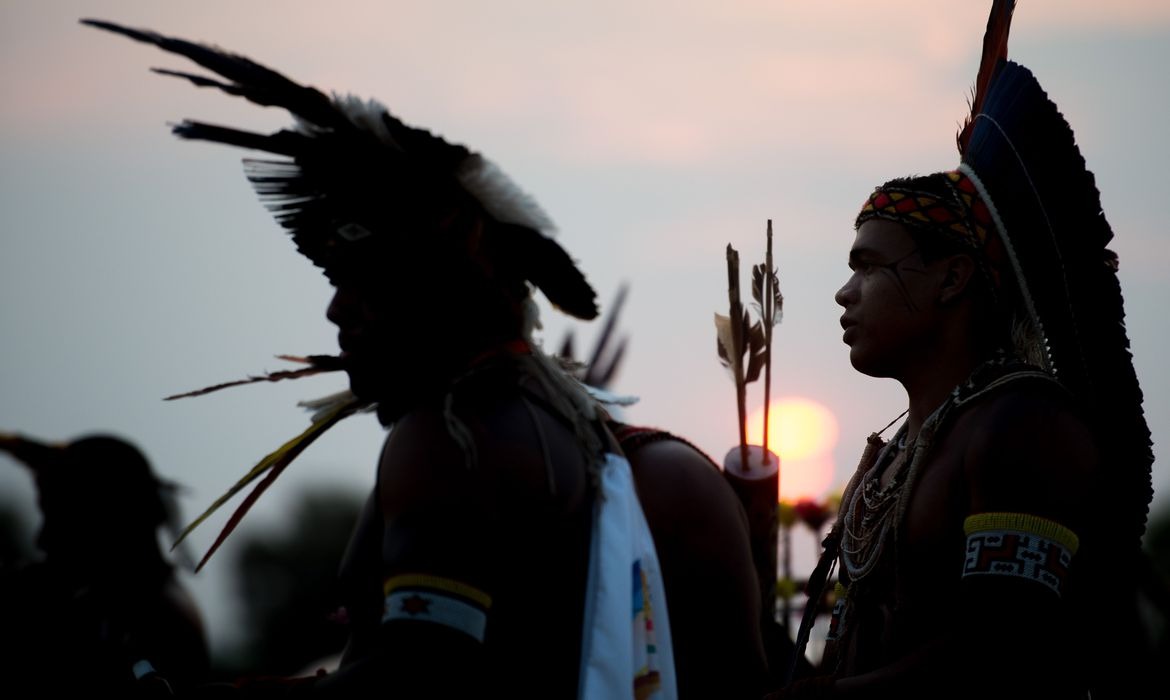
{"x": 653, "y": 132}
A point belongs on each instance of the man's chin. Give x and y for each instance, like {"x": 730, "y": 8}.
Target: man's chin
{"x": 364, "y": 388}
{"x": 867, "y": 365}
{"x": 394, "y": 396}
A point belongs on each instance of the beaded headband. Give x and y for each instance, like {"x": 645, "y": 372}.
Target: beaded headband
{"x": 954, "y": 210}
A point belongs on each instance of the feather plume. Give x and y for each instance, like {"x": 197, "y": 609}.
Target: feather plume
{"x": 274, "y": 464}
{"x": 501, "y": 196}
{"x": 566, "y": 352}
{"x": 606, "y": 358}
{"x": 356, "y": 170}
{"x": 603, "y": 374}
{"x": 725, "y": 344}
{"x": 609, "y": 398}
{"x": 740, "y": 345}
{"x": 540, "y": 260}
{"x": 769, "y": 303}
{"x": 744, "y": 358}
{"x": 1026, "y": 154}
{"x": 317, "y": 365}
{"x": 771, "y": 314}
{"x": 995, "y": 49}
{"x": 323, "y": 405}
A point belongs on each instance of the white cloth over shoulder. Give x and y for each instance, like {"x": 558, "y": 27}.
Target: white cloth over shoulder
{"x": 626, "y": 650}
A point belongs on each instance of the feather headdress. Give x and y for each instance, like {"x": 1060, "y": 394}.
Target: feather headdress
{"x": 1023, "y": 158}
{"x": 1043, "y": 210}
{"x": 368, "y": 199}
{"x": 355, "y": 181}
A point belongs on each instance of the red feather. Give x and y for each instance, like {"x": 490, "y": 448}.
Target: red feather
{"x": 995, "y": 44}
{"x": 275, "y": 463}
{"x": 318, "y": 364}
{"x": 244, "y": 507}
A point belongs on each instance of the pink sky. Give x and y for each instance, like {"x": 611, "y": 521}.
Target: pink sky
{"x": 654, "y": 133}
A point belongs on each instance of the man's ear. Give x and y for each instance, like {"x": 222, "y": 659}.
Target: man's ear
{"x": 957, "y": 276}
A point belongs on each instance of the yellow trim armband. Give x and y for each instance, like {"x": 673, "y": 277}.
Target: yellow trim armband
{"x": 1019, "y": 545}
{"x": 436, "y": 600}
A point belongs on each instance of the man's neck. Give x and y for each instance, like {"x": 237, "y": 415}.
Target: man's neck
{"x": 929, "y": 388}
{"x": 417, "y": 390}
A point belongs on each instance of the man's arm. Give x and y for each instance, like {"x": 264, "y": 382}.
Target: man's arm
{"x": 713, "y": 597}
{"x": 483, "y": 552}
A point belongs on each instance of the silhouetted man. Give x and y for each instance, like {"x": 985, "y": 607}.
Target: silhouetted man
{"x": 104, "y": 607}
{"x": 504, "y": 550}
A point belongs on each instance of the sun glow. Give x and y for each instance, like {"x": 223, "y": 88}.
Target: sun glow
{"x": 803, "y": 432}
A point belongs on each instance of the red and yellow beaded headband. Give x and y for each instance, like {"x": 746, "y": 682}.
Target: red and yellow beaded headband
{"x": 955, "y": 210}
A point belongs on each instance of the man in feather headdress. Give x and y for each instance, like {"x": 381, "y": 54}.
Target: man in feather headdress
{"x": 990, "y": 547}
{"x": 504, "y": 550}
{"x": 104, "y": 607}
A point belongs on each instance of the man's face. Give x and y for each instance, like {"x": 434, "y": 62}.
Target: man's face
{"x": 889, "y": 304}
{"x": 363, "y": 336}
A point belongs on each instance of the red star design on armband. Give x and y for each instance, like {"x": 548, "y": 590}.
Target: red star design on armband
{"x": 416, "y": 605}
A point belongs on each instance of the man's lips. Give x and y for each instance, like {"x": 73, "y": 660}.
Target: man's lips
{"x": 847, "y": 325}
{"x": 348, "y": 343}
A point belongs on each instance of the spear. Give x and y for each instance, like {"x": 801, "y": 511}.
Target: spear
{"x": 737, "y": 312}
{"x": 740, "y": 346}
{"x": 741, "y": 349}
{"x": 770, "y": 305}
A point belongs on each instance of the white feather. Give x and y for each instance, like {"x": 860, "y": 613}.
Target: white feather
{"x": 323, "y": 405}
{"x": 364, "y": 114}
{"x": 502, "y": 198}
{"x": 483, "y": 179}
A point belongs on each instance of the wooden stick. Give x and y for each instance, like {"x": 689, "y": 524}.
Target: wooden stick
{"x": 768, "y": 310}
{"x": 736, "y": 353}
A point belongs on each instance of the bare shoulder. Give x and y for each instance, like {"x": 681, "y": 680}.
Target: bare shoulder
{"x": 457, "y": 488}
{"x": 681, "y": 488}
{"x": 1027, "y": 449}
{"x": 433, "y": 455}
{"x": 421, "y": 465}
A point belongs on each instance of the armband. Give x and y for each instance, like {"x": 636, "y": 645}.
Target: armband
{"x": 437, "y": 600}
{"x": 1019, "y": 545}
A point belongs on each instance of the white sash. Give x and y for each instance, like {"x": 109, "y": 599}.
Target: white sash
{"x": 625, "y": 650}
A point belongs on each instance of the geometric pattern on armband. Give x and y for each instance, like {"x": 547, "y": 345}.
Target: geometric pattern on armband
{"x": 1019, "y": 545}
{"x": 436, "y": 600}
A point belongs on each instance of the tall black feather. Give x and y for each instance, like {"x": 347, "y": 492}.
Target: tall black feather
{"x": 540, "y": 260}
{"x": 603, "y": 364}
{"x": 995, "y": 50}
{"x": 253, "y": 81}
{"x": 358, "y": 177}
{"x": 1025, "y": 153}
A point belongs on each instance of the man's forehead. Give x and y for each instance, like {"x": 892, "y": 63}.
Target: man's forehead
{"x": 882, "y": 237}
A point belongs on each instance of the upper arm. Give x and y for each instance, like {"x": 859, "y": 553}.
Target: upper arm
{"x": 1030, "y": 471}
{"x": 701, "y": 534}
{"x": 426, "y": 561}
{"x": 1033, "y": 454}
{"x": 468, "y": 549}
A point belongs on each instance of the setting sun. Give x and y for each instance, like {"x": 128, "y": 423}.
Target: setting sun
{"x": 803, "y": 432}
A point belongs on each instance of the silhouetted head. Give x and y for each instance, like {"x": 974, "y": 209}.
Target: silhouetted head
{"x": 98, "y": 498}
{"x": 948, "y": 228}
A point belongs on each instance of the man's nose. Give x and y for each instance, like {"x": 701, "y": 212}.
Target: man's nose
{"x": 340, "y": 306}
{"x": 845, "y": 294}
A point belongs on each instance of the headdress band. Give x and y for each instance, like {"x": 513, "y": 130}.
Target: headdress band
{"x": 956, "y": 210}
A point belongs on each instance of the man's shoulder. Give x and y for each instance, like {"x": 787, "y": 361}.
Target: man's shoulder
{"x": 1027, "y": 444}
{"x": 1027, "y": 411}
{"x": 676, "y": 480}
{"x": 469, "y": 448}
{"x": 660, "y": 455}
